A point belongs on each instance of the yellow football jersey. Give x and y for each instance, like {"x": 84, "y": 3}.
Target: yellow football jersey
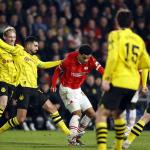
{"x": 7, "y": 68}
{"x": 126, "y": 55}
{"x": 26, "y": 65}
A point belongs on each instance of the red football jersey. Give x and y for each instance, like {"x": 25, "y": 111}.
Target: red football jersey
{"x": 74, "y": 73}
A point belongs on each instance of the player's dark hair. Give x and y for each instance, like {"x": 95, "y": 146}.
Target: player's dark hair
{"x": 85, "y": 49}
{"x": 30, "y": 39}
{"x": 124, "y": 18}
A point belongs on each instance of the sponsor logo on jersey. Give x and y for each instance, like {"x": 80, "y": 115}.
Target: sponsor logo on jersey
{"x": 86, "y": 68}
{"x": 78, "y": 74}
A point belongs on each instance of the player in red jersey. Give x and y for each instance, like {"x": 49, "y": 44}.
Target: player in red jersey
{"x": 74, "y": 71}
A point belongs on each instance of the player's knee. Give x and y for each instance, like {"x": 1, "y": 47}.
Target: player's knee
{"x": 91, "y": 114}
{"x": 133, "y": 106}
{"x": 21, "y": 119}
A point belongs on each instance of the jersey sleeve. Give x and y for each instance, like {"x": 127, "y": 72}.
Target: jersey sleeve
{"x": 144, "y": 59}
{"x": 96, "y": 65}
{"x": 49, "y": 64}
{"x": 14, "y": 50}
{"x": 112, "y": 56}
{"x": 144, "y": 77}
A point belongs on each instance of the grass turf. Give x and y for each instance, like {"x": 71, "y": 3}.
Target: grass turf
{"x": 55, "y": 140}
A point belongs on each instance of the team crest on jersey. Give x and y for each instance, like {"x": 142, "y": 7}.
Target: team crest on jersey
{"x": 85, "y": 68}
{"x": 3, "y": 89}
{"x": 21, "y": 97}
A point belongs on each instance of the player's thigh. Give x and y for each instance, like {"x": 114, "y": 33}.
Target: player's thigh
{"x": 70, "y": 99}
{"x": 111, "y": 99}
{"x": 23, "y": 95}
{"x": 126, "y": 100}
{"x": 84, "y": 102}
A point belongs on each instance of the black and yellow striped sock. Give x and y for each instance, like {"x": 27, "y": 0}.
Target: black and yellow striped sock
{"x": 60, "y": 123}
{"x": 101, "y": 135}
{"x": 9, "y": 124}
{"x": 136, "y": 130}
{"x": 1, "y": 111}
{"x": 120, "y": 127}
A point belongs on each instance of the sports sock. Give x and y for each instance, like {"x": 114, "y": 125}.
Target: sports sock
{"x": 9, "y": 124}
{"x": 120, "y": 127}
{"x": 60, "y": 123}
{"x": 101, "y": 135}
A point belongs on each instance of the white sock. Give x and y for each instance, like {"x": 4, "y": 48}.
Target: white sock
{"x": 84, "y": 123}
{"x": 74, "y": 123}
{"x": 132, "y": 118}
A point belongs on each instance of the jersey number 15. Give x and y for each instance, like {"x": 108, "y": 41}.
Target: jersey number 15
{"x": 134, "y": 55}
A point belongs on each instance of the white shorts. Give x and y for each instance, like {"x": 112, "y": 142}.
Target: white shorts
{"x": 135, "y": 97}
{"x": 74, "y": 99}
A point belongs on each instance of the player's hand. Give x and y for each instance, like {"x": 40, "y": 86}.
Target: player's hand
{"x": 105, "y": 85}
{"x": 144, "y": 91}
{"x": 53, "y": 89}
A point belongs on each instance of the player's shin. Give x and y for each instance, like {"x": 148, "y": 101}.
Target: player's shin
{"x": 120, "y": 126}
{"x": 136, "y": 130}
{"x": 101, "y": 135}
{"x": 60, "y": 123}
{"x": 9, "y": 124}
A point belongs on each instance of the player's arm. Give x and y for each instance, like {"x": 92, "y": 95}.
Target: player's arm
{"x": 55, "y": 77}
{"x": 97, "y": 66}
{"x": 14, "y": 50}
{"x": 144, "y": 77}
{"x": 144, "y": 62}
{"x": 49, "y": 64}
{"x": 111, "y": 61}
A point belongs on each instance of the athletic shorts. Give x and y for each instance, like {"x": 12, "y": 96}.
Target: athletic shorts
{"x": 135, "y": 97}
{"x": 6, "y": 89}
{"x": 29, "y": 96}
{"x": 117, "y": 98}
{"x": 74, "y": 99}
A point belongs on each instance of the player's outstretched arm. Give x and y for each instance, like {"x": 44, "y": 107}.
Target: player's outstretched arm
{"x": 49, "y": 64}
{"x": 55, "y": 78}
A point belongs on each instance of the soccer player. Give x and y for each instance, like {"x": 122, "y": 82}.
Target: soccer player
{"x": 139, "y": 126}
{"x": 132, "y": 107}
{"x": 26, "y": 63}
{"x": 74, "y": 71}
{"x": 126, "y": 56}
{"x": 7, "y": 70}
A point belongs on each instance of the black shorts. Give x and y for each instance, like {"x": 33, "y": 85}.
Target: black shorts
{"x": 117, "y": 98}
{"x": 148, "y": 108}
{"x": 29, "y": 96}
{"x": 6, "y": 89}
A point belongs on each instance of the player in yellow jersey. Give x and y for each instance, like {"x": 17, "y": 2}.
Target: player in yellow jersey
{"x": 139, "y": 126}
{"x": 7, "y": 70}
{"x": 26, "y": 64}
{"x": 126, "y": 55}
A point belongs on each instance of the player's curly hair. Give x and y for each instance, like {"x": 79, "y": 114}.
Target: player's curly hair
{"x": 85, "y": 49}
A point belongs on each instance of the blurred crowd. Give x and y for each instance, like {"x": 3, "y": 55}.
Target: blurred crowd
{"x": 63, "y": 25}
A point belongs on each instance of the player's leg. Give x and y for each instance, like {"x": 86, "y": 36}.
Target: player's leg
{"x": 13, "y": 122}
{"x": 87, "y": 108}
{"x": 57, "y": 119}
{"x": 137, "y": 129}
{"x": 132, "y": 111}
{"x": 23, "y": 97}
{"x": 101, "y": 127}
{"x": 3, "y": 97}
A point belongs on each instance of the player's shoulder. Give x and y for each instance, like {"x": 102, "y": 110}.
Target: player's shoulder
{"x": 72, "y": 54}
{"x": 139, "y": 38}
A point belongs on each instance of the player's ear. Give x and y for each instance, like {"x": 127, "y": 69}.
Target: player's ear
{"x": 4, "y": 37}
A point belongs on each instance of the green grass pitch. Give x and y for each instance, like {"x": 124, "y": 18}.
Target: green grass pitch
{"x": 55, "y": 140}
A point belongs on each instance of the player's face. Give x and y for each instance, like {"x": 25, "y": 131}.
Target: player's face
{"x": 33, "y": 47}
{"x": 10, "y": 37}
{"x": 84, "y": 58}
